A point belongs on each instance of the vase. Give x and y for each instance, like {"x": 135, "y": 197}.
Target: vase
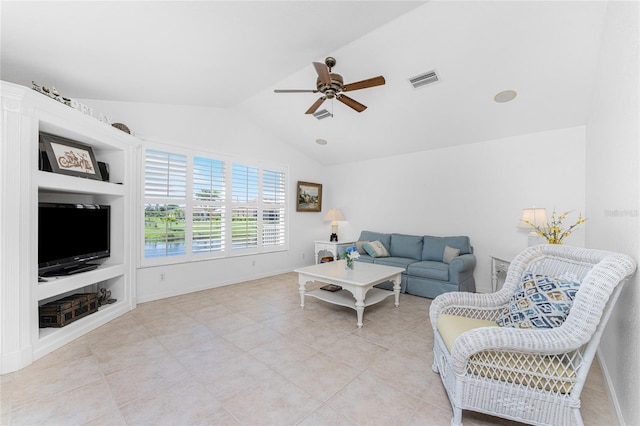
{"x": 348, "y": 265}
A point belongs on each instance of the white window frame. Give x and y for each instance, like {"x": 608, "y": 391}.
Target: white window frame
{"x": 189, "y": 203}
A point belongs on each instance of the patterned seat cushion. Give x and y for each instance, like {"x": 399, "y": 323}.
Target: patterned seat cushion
{"x": 540, "y": 302}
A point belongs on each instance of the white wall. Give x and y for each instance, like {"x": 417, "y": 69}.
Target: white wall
{"x": 225, "y": 132}
{"x": 477, "y": 190}
{"x": 613, "y": 188}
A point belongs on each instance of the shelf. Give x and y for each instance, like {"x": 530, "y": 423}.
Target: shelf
{"x": 51, "y": 338}
{"x": 62, "y": 285}
{"x": 56, "y": 182}
{"x": 345, "y": 298}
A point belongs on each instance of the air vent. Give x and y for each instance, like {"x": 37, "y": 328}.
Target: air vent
{"x": 424, "y": 79}
{"x": 323, "y": 113}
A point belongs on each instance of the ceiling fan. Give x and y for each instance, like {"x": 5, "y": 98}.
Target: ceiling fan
{"x": 332, "y": 85}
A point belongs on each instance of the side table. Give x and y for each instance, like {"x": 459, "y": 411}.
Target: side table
{"x": 331, "y": 247}
{"x": 498, "y": 266}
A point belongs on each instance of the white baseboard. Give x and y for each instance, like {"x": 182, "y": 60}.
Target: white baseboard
{"x": 611, "y": 392}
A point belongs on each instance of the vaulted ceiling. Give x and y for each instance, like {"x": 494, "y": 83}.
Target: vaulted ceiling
{"x": 234, "y": 54}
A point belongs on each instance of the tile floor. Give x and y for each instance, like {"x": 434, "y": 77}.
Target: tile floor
{"x": 248, "y": 355}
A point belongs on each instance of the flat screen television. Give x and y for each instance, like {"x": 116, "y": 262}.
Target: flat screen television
{"x": 72, "y": 235}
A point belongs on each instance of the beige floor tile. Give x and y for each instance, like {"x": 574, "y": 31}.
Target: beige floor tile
{"x": 76, "y": 406}
{"x": 184, "y": 403}
{"x": 273, "y": 401}
{"x": 186, "y": 339}
{"x": 368, "y": 400}
{"x": 320, "y": 375}
{"x": 285, "y": 350}
{"x": 140, "y": 380}
{"x": 355, "y": 351}
{"x": 33, "y": 384}
{"x": 252, "y": 336}
{"x": 143, "y": 352}
{"x": 326, "y": 415}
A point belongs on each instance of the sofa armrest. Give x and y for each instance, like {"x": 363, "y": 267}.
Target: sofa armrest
{"x": 460, "y": 265}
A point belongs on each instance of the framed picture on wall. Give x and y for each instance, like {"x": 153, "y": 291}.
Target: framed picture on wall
{"x": 309, "y": 197}
{"x": 68, "y": 157}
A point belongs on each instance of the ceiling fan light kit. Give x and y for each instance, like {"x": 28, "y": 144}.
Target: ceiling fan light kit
{"x": 332, "y": 86}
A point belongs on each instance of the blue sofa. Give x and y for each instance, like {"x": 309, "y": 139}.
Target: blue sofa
{"x": 426, "y": 274}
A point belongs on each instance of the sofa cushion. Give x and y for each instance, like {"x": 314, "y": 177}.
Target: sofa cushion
{"x": 361, "y": 249}
{"x": 450, "y": 253}
{"x": 406, "y": 246}
{"x": 385, "y": 239}
{"x": 365, "y": 258}
{"x": 375, "y": 249}
{"x": 435, "y": 270}
{"x": 400, "y": 262}
{"x": 540, "y": 302}
{"x": 434, "y": 246}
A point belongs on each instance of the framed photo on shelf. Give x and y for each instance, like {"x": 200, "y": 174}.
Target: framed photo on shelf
{"x": 309, "y": 197}
{"x": 69, "y": 157}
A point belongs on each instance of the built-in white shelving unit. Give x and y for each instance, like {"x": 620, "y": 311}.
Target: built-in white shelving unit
{"x": 25, "y": 113}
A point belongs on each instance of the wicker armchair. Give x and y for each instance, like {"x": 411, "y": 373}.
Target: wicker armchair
{"x": 532, "y": 375}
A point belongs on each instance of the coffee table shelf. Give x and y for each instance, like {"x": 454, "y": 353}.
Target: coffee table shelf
{"x": 345, "y": 298}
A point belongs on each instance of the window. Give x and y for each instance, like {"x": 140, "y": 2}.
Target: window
{"x": 197, "y": 207}
{"x": 208, "y": 213}
{"x": 244, "y": 208}
{"x": 165, "y": 186}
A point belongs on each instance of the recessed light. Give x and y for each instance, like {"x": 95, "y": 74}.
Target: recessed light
{"x": 321, "y": 141}
{"x": 505, "y": 96}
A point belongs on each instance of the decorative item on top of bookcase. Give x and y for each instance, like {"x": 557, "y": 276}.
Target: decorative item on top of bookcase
{"x": 85, "y": 109}
{"x": 309, "y": 197}
{"x": 122, "y": 127}
{"x": 69, "y": 157}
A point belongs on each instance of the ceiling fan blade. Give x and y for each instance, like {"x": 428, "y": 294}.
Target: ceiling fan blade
{"x": 294, "y": 91}
{"x": 370, "y": 82}
{"x": 323, "y": 73}
{"x": 316, "y": 105}
{"x": 351, "y": 103}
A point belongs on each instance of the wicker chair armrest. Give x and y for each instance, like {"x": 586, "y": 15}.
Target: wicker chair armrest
{"x": 506, "y": 339}
{"x": 454, "y": 302}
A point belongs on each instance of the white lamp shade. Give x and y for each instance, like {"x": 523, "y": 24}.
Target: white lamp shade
{"x": 334, "y": 215}
{"x": 535, "y": 216}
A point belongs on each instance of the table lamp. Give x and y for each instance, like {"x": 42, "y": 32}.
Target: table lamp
{"x": 534, "y": 216}
{"x": 334, "y": 215}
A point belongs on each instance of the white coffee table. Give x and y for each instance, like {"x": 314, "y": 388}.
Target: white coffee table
{"x": 356, "y": 284}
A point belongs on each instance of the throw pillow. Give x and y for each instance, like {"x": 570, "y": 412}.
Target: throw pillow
{"x": 540, "y": 302}
{"x": 361, "y": 249}
{"x": 375, "y": 249}
{"x": 450, "y": 253}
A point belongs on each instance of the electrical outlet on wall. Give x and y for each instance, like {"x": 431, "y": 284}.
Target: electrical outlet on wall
{"x": 162, "y": 276}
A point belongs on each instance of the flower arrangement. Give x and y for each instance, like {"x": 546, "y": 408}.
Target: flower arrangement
{"x": 350, "y": 254}
{"x": 553, "y": 231}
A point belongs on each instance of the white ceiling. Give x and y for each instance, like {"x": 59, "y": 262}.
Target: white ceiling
{"x": 233, "y": 54}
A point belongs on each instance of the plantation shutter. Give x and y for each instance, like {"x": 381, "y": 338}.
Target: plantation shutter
{"x": 208, "y": 210}
{"x": 244, "y": 211}
{"x": 273, "y": 208}
{"x": 165, "y": 189}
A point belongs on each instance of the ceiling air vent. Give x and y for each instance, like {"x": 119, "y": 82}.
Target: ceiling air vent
{"x": 323, "y": 113}
{"x": 424, "y": 79}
